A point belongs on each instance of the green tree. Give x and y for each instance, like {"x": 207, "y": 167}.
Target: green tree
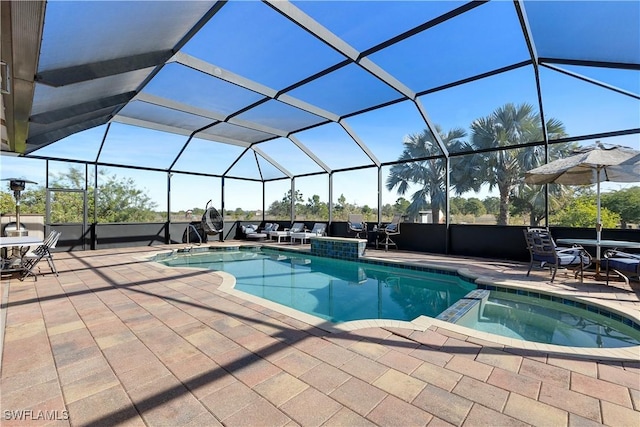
{"x": 387, "y": 211}
{"x": 582, "y": 212}
{"x": 119, "y": 199}
{"x": 282, "y": 208}
{"x": 33, "y": 200}
{"x": 7, "y": 203}
{"x": 317, "y": 209}
{"x": 507, "y": 126}
{"x": 529, "y": 200}
{"x": 456, "y": 205}
{"x": 473, "y": 206}
{"x": 427, "y": 172}
{"x": 400, "y": 207}
{"x": 492, "y": 205}
{"x": 279, "y": 209}
{"x": 624, "y": 202}
{"x": 339, "y": 207}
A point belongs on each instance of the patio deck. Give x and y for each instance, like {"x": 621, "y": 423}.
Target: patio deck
{"x": 117, "y": 340}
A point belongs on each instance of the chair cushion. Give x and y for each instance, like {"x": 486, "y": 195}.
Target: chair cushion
{"x": 256, "y": 236}
{"x": 356, "y": 226}
{"x": 572, "y": 259}
{"x": 622, "y": 264}
{"x": 544, "y": 258}
{"x": 391, "y": 227}
{"x": 248, "y": 229}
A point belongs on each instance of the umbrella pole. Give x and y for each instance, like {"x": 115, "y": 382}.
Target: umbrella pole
{"x": 598, "y": 220}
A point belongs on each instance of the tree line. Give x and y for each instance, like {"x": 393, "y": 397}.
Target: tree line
{"x": 418, "y": 178}
{"x": 494, "y": 164}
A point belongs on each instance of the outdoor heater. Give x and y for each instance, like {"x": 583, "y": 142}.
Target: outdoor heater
{"x": 17, "y": 186}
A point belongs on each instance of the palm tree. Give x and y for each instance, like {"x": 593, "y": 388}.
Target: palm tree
{"x": 530, "y": 200}
{"x": 507, "y": 126}
{"x": 428, "y": 173}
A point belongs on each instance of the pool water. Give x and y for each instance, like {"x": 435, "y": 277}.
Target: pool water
{"x": 548, "y": 322}
{"x": 333, "y": 289}
{"x": 340, "y": 291}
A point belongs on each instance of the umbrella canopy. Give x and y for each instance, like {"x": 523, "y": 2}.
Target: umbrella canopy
{"x": 590, "y": 165}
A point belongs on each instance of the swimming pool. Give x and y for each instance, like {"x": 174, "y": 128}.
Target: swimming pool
{"x": 340, "y": 291}
{"x": 334, "y": 290}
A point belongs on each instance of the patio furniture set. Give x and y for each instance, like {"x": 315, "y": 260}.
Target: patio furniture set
{"x": 544, "y": 250}
{"x": 297, "y": 232}
{"x": 19, "y": 257}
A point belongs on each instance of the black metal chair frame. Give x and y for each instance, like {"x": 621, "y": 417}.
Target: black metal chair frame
{"x": 388, "y": 230}
{"x": 612, "y": 254}
{"x": 357, "y": 224}
{"x": 42, "y": 251}
{"x": 542, "y": 248}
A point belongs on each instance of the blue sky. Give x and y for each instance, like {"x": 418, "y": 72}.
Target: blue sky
{"x": 254, "y": 41}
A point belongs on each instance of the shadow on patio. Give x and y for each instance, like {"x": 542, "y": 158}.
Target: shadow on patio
{"x": 118, "y": 340}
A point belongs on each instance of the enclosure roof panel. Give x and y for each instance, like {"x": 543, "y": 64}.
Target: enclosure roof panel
{"x": 297, "y": 88}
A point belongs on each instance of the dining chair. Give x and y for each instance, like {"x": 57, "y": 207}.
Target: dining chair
{"x": 357, "y": 224}
{"x": 542, "y": 249}
{"x": 391, "y": 229}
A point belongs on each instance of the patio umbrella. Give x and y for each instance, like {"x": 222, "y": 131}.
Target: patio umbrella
{"x": 590, "y": 165}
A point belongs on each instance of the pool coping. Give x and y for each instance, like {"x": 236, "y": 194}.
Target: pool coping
{"x": 422, "y": 323}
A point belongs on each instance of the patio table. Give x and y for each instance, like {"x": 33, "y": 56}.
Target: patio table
{"x": 616, "y": 244}
{"x": 19, "y": 242}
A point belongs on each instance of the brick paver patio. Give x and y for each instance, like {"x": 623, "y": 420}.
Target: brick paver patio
{"x": 117, "y": 340}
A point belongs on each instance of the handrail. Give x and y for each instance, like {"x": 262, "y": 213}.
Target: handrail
{"x": 197, "y": 234}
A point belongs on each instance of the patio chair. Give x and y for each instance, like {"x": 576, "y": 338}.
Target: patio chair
{"x": 252, "y": 232}
{"x": 31, "y": 258}
{"x": 212, "y": 222}
{"x": 357, "y": 224}
{"x": 286, "y": 233}
{"x": 269, "y": 227}
{"x": 317, "y": 230}
{"x": 391, "y": 229}
{"x": 620, "y": 262}
{"x": 542, "y": 249}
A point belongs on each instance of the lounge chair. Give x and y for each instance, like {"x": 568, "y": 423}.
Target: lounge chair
{"x": 269, "y": 227}
{"x": 391, "y": 229}
{"x": 31, "y": 259}
{"x": 620, "y": 262}
{"x": 252, "y": 232}
{"x": 542, "y": 249}
{"x": 318, "y": 229}
{"x": 357, "y": 224}
{"x": 286, "y": 233}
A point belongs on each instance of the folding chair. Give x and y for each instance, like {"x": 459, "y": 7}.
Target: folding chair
{"x": 32, "y": 258}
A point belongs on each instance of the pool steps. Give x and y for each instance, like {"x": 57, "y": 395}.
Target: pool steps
{"x": 469, "y": 305}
